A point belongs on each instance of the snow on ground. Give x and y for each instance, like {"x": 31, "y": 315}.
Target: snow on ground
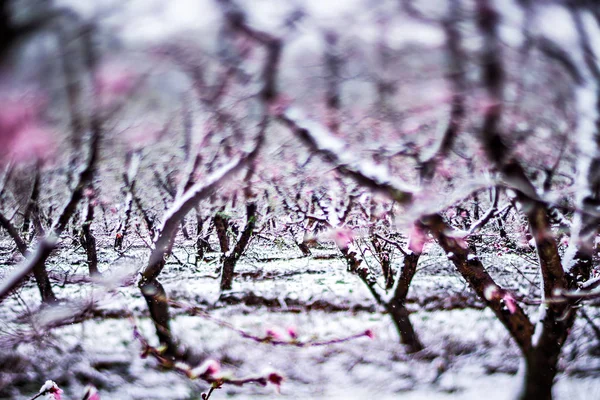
{"x": 469, "y": 354}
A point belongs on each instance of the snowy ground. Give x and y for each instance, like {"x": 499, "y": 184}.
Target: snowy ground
{"x": 469, "y": 353}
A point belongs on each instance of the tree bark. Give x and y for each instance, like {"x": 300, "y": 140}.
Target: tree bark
{"x": 32, "y": 204}
{"x": 41, "y": 277}
{"x": 400, "y": 315}
{"x": 303, "y": 246}
{"x": 231, "y": 259}
{"x": 227, "y": 273}
{"x": 89, "y": 241}
{"x": 396, "y": 307}
{"x": 156, "y": 298}
{"x": 539, "y": 373}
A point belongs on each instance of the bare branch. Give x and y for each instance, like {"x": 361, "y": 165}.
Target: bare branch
{"x": 320, "y": 140}
{"x": 43, "y": 249}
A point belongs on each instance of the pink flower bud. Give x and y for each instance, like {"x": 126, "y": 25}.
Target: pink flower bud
{"x": 52, "y": 389}
{"x": 292, "y": 332}
{"x": 343, "y": 237}
{"x": 23, "y": 135}
{"x": 510, "y": 302}
{"x": 113, "y": 82}
{"x": 275, "y": 379}
{"x": 491, "y": 292}
{"x": 273, "y": 334}
{"x": 208, "y": 368}
{"x": 91, "y": 393}
{"x": 417, "y": 239}
{"x": 370, "y": 334}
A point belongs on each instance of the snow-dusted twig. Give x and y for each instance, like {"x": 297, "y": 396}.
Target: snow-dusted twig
{"x": 487, "y": 216}
{"x": 394, "y": 243}
{"x": 13, "y": 233}
{"x": 182, "y": 206}
{"x": 18, "y": 275}
{"x": 456, "y": 77}
{"x": 208, "y": 371}
{"x": 49, "y": 388}
{"x": 271, "y": 337}
{"x": 8, "y": 170}
{"x": 589, "y": 290}
{"x": 273, "y": 45}
{"x": 321, "y": 140}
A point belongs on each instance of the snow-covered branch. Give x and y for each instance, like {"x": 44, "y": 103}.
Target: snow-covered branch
{"x": 181, "y": 207}
{"x": 17, "y": 276}
{"x": 364, "y": 172}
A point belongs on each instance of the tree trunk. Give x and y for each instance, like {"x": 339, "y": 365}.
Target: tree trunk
{"x": 199, "y": 250}
{"x": 303, "y": 246}
{"x": 221, "y": 223}
{"x": 228, "y": 271}
{"x": 240, "y": 247}
{"x": 89, "y": 241}
{"x": 124, "y": 226}
{"x": 31, "y": 204}
{"x": 41, "y": 278}
{"x": 539, "y": 372}
{"x": 541, "y": 360}
{"x": 400, "y": 316}
{"x": 202, "y": 239}
{"x": 397, "y": 305}
{"x": 156, "y": 298}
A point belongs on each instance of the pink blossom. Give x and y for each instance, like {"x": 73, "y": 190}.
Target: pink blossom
{"x": 91, "y": 393}
{"x": 510, "y": 302}
{"x": 33, "y": 141}
{"x": 491, "y": 292}
{"x": 114, "y": 81}
{"x": 417, "y": 239}
{"x": 208, "y": 368}
{"x": 212, "y": 367}
{"x": 23, "y": 135}
{"x": 51, "y": 388}
{"x": 88, "y": 192}
{"x": 369, "y": 333}
{"x": 56, "y": 394}
{"x": 343, "y": 237}
{"x": 292, "y": 332}
{"x": 274, "y": 333}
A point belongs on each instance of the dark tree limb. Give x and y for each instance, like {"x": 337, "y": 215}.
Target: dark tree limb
{"x": 89, "y": 241}
{"x": 241, "y": 245}
{"x": 470, "y": 267}
{"x": 458, "y": 86}
{"x": 16, "y": 278}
